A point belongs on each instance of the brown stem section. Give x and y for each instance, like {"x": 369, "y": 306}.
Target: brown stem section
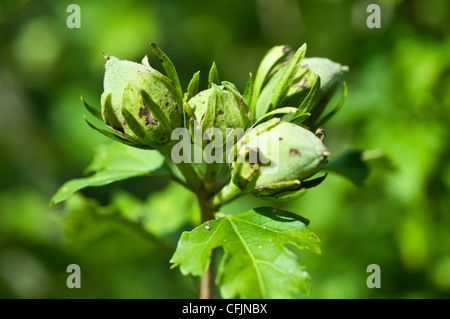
{"x": 207, "y": 285}
{"x": 203, "y": 187}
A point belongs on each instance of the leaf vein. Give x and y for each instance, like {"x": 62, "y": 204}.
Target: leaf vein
{"x": 257, "y": 270}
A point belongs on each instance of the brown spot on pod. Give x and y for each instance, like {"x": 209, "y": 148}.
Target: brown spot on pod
{"x": 150, "y": 120}
{"x": 143, "y": 112}
{"x": 294, "y": 152}
{"x": 119, "y": 129}
{"x": 286, "y": 48}
{"x": 303, "y": 83}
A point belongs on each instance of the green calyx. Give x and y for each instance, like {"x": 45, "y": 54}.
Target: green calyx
{"x": 137, "y": 103}
{"x": 282, "y": 103}
{"x": 319, "y": 83}
{"x": 287, "y": 80}
{"x": 274, "y": 158}
{"x": 217, "y": 108}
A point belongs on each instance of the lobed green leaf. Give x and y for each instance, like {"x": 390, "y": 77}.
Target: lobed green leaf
{"x": 256, "y": 261}
{"x": 113, "y": 163}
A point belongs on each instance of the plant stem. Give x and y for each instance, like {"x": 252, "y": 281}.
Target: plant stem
{"x": 204, "y": 189}
{"x": 192, "y": 179}
{"x": 226, "y": 194}
{"x": 207, "y": 285}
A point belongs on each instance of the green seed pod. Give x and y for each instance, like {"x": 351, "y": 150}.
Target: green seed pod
{"x": 286, "y": 154}
{"x": 315, "y": 83}
{"x": 316, "y": 87}
{"x": 217, "y": 108}
{"x": 139, "y": 103}
{"x": 330, "y": 73}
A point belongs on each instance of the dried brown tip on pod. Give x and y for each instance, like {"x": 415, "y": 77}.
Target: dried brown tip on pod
{"x": 320, "y": 133}
{"x": 145, "y": 61}
{"x": 286, "y": 48}
{"x": 106, "y": 56}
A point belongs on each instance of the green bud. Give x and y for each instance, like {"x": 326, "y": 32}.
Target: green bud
{"x": 330, "y": 73}
{"x": 286, "y": 154}
{"x": 281, "y": 77}
{"x": 218, "y": 108}
{"x": 316, "y": 87}
{"x": 315, "y": 83}
{"x": 139, "y": 103}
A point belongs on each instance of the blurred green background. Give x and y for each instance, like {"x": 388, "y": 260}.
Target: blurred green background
{"x": 398, "y": 103}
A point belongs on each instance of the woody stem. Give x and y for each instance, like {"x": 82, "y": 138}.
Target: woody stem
{"x": 207, "y": 284}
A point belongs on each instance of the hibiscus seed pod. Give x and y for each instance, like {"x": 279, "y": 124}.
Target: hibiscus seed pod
{"x": 140, "y": 103}
{"x": 216, "y": 108}
{"x": 315, "y": 83}
{"x": 293, "y": 155}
